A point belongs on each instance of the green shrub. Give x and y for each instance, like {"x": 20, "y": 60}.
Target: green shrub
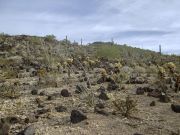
{"x": 50, "y": 38}
{"x": 108, "y": 51}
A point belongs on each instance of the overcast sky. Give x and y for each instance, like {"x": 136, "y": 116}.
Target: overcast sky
{"x": 140, "y": 23}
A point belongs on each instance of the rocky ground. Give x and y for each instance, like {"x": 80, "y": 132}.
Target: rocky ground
{"x": 85, "y": 95}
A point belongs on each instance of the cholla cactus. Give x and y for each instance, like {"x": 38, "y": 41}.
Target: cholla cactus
{"x": 126, "y": 107}
{"x": 64, "y": 64}
{"x": 161, "y": 72}
{"x": 117, "y": 67}
{"x": 170, "y": 66}
{"x": 91, "y": 63}
{"x": 59, "y": 65}
{"x": 177, "y": 83}
{"x": 69, "y": 61}
{"x": 85, "y": 64}
{"x": 103, "y": 72}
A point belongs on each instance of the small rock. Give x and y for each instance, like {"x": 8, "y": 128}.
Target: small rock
{"x": 4, "y": 127}
{"x": 100, "y": 105}
{"x": 111, "y": 80}
{"x": 101, "y": 80}
{"x": 137, "y": 134}
{"x": 34, "y": 92}
{"x": 85, "y": 78}
{"x": 140, "y": 91}
{"x": 175, "y": 108}
{"x": 101, "y": 111}
{"x": 61, "y": 109}
{"x": 41, "y": 106}
{"x": 88, "y": 85}
{"x": 153, "y": 103}
{"x": 42, "y": 111}
{"x": 42, "y": 93}
{"x": 137, "y": 80}
{"x": 13, "y": 120}
{"x": 38, "y": 100}
{"x": 65, "y": 93}
{"x": 30, "y": 119}
{"x": 103, "y": 96}
{"x": 155, "y": 93}
{"x": 30, "y": 130}
{"x": 123, "y": 88}
{"x": 112, "y": 86}
{"x": 51, "y": 97}
{"x": 164, "y": 99}
{"x": 77, "y": 116}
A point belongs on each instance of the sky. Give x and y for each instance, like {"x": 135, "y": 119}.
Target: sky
{"x": 140, "y": 23}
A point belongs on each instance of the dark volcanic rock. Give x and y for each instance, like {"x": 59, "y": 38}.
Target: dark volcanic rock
{"x": 137, "y": 134}
{"x": 42, "y": 111}
{"x": 34, "y": 92}
{"x": 112, "y": 86}
{"x": 100, "y": 105}
{"x": 101, "y": 80}
{"x": 30, "y": 119}
{"x": 65, "y": 93}
{"x": 140, "y": 91}
{"x": 103, "y": 96}
{"x": 61, "y": 109}
{"x": 149, "y": 89}
{"x": 30, "y": 130}
{"x": 77, "y": 116}
{"x": 175, "y": 108}
{"x": 153, "y": 103}
{"x": 4, "y": 127}
{"x": 51, "y": 97}
{"x": 13, "y": 120}
{"x": 137, "y": 80}
{"x": 155, "y": 93}
{"x": 42, "y": 93}
{"x": 164, "y": 99}
{"x": 111, "y": 80}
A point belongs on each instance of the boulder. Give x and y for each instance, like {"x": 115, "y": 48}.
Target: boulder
{"x": 77, "y": 116}
{"x": 175, "y": 108}
{"x": 65, "y": 93}
{"x": 30, "y": 130}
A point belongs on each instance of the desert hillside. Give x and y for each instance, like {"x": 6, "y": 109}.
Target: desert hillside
{"x": 57, "y": 87}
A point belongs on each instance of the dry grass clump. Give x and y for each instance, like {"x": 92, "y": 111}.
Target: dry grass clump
{"x": 11, "y": 91}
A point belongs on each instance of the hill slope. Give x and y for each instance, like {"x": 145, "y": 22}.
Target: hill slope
{"x": 57, "y": 87}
